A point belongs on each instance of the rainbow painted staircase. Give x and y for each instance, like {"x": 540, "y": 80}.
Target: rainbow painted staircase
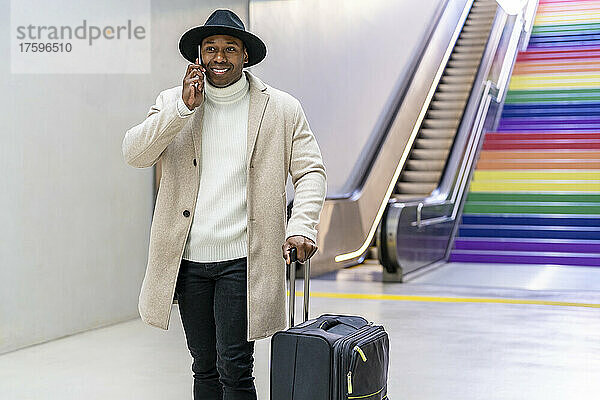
{"x": 535, "y": 194}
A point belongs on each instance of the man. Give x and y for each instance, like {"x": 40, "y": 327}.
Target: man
{"x": 226, "y": 142}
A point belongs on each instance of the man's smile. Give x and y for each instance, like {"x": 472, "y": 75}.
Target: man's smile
{"x": 219, "y": 71}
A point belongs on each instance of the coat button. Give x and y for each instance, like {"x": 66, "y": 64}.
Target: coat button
{"x": 186, "y": 213}
{"x": 194, "y": 162}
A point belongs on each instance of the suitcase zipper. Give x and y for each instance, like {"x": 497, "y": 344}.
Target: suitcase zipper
{"x": 362, "y": 354}
{"x": 349, "y": 382}
{"x": 351, "y": 367}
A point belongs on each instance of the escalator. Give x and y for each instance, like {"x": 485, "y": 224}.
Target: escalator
{"x": 426, "y": 161}
{"x": 416, "y": 178}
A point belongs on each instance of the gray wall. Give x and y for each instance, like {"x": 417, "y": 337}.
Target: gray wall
{"x": 75, "y": 219}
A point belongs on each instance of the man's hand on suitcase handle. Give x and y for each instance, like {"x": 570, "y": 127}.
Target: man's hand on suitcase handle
{"x": 306, "y": 248}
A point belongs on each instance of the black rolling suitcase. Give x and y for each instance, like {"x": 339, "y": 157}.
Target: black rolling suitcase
{"x": 332, "y": 357}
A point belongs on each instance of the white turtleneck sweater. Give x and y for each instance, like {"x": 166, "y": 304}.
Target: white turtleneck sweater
{"x": 219, "y": 230}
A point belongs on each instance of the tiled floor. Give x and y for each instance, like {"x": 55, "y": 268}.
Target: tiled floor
{"x": 440, "y": 349}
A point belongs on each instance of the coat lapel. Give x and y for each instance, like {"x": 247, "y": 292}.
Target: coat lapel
{"x": 197, "y": 132}
{"x": 256, "y": 111}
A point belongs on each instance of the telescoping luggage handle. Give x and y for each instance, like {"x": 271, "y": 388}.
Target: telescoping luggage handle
{"x": 292, "y": 298}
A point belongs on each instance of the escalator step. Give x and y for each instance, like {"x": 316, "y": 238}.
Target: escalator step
{"x": 433, "y": 144}
{"x": 458, "y": 79}
{"x": 468, "y": 49}
{"x": 425, "y": 165}
{"x": 482, "y": 22}
{"x": 427, "y": 133}
{"x": 480, "y": 13}
{"x": 467, "y": 56}
{"x": 462, "y": 96}
{"x": 404, "y": 197}
{"x": 421, "y": 176}
{"x": 445, "y": 114}
{"x": 447, "y": 105}
{"x": 476, "y": 28}
{"x": 454, "y": 88}
{"x": 459, "y": 71}
{"x": 428, "y": 155}
{"x": 441, "y": 123}
{"x": 416, "y": 188}
{"x": 474, "y": 35}
{"x": 471, "y": 64}
{"x": 476, "y": 41}
{"x": 482, "y": 9}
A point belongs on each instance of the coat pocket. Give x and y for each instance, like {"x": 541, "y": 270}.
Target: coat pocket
{"x": 368, "y": 370}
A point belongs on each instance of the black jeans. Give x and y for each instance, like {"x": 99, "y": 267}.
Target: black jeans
{"x": 212, "y": 305}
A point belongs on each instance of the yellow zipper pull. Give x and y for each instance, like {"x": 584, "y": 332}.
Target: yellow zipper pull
{"x": 349, "y": 382}
{"x": 362, "y": 354}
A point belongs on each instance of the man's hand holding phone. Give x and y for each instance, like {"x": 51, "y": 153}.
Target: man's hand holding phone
{"x": 193, "y": 86}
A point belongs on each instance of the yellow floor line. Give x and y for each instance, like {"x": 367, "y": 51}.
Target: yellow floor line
{"x": 436, "y": 299}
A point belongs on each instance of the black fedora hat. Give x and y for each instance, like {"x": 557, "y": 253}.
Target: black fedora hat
{"x": 222, "y": 22}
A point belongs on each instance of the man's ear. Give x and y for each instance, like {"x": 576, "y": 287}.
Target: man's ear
{"x": 245, "y": 55}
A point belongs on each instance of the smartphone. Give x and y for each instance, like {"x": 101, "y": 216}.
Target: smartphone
{"x": 200, "y": 61}
{"x": 200, "y": 54}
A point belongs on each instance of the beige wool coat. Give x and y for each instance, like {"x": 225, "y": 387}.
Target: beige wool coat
{"x": 279, "y": 142}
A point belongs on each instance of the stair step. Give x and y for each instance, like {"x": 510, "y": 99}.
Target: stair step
{"x": 538, "y": 164}
{"x": 516, "y": 231}
{"x": 526, "y": 110}
{"x": 576, "y": 53}
{"x": 548, "y": 123}
{"x": 491, "y": 207}
{"x": 566, "y": 144}
{"x": 533, "y": 175}
{"x": 535, "y": 197}
{"x": 579, "y": 155}
{"x": 530, "y": 220}
{"x": 552, "y": 95}
{"x": 545, "y": 136}
{"x": 531, "y": 245}
{"x": 534, "y": 186}
{"x": 524, "y": 258}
